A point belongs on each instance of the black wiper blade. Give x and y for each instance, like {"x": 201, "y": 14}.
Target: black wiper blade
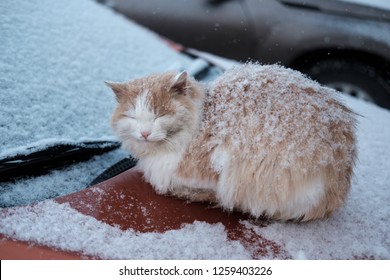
{"x": 116, "y": 169}
{"x": 54, "y": 156}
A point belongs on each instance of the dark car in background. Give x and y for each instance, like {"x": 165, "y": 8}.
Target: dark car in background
{"x": 343, "y": 45}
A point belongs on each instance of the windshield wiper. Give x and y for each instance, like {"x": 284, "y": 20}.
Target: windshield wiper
{"x": 116, "y": 169}
{"x": 41, "y": 161}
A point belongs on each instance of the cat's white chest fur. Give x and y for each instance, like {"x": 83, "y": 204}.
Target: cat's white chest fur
{"x": 159, "y": 169}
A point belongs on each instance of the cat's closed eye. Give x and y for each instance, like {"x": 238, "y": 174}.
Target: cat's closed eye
{"x": 130, "y": 116}
{"x": 161, "y": 116}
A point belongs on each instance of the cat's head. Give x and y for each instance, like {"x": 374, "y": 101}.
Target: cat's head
{"x": 160, "y": 111}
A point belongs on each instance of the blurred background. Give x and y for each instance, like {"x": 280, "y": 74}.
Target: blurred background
{"x": 341, "y": 44}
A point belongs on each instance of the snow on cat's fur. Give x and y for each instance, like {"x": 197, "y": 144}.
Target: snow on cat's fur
{"x": 262, "y": 139}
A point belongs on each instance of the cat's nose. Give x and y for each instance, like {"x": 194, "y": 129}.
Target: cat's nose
{"x": 145, "y": 134}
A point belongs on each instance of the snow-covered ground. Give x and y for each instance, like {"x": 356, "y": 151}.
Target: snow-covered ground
{"x": 54, "y": 57}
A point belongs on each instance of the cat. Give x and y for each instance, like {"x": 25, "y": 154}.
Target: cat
{"x": 262, "y": 139}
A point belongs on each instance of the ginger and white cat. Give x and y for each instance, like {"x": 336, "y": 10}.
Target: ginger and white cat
{"x": 261, "y": 139}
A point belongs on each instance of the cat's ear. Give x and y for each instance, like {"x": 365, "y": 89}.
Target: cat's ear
{"x": 179, "y": 84}
{"x": 118, "y": 88}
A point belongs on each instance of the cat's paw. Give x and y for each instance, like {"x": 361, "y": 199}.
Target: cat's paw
{"x": 195, "y": 195}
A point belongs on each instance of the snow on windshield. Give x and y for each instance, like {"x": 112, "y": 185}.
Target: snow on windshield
{"x": 54, "y": 59}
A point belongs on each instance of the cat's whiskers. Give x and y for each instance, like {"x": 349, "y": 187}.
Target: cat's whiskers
{"x": 124, "y": 134}
{"x": 169, "y": 143}
{"x": 174, "y": 147}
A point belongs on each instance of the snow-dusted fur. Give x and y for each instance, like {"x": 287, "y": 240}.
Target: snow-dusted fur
{"x": 261, "y": 139}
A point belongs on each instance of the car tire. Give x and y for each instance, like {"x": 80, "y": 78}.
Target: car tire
{"x": 353, "y": 78}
